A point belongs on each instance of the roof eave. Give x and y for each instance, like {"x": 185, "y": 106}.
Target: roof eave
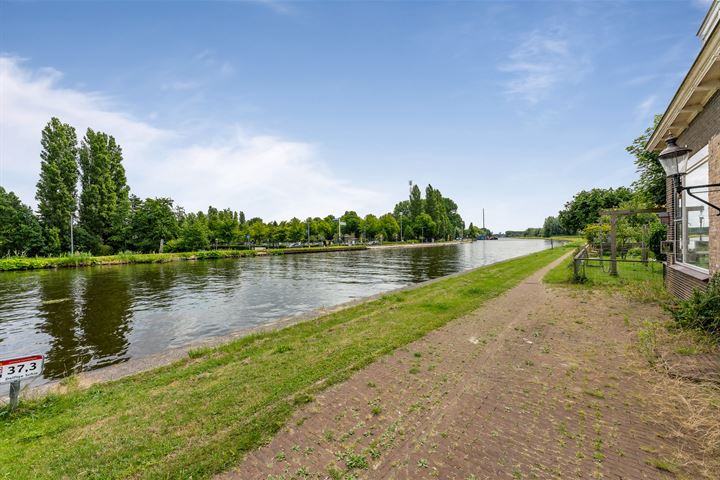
{"x": 708, "y": 55}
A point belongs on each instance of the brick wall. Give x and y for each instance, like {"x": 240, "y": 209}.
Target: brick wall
{"x": 704, "y": 126}
{"x": 704, "y": 130}
{"x": 681, "y": 283}
{"x": 714, "y": 170}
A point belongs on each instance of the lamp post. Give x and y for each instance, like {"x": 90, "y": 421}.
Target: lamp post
{"x": 674, "y": 160}
{"x": 401, "y": 227}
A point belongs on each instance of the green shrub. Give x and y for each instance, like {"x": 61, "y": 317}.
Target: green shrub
{"x": 702, "y": 310}
{"x": 172, "y": 246}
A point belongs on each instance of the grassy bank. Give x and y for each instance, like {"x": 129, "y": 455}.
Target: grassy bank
{"x": 198, "y": 416}
{"x": 86, "y": 260}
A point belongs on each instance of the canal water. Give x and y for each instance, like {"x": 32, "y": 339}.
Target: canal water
{"x": 87, "y": 318}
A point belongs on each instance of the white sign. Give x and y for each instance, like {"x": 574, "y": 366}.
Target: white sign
{"x": 21, "y": 368}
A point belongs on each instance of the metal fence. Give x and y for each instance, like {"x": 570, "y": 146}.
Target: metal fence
{"x": 589, "y": 265}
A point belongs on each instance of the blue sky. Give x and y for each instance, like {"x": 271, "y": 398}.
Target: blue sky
{"x": 310, "y": 108}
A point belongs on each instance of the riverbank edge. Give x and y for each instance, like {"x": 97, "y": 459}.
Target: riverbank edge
{"x": 41, "y": 263}
{"x": 134, "y": 366}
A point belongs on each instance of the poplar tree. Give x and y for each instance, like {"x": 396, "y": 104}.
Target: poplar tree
{"x": 104, "y": 201}
{"x": 416, "y": 203}
{"x": 57, "y": 188}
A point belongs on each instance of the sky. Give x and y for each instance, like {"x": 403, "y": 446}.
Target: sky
{"x": 311, "y": 108}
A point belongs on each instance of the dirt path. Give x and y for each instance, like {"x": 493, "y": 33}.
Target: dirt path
{"x": 538, "y": 383}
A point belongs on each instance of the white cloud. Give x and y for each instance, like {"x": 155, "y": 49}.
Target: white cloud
{"x": 263, "y": 175}
{"x": 539, "y": 64}
{"x": 645, "y": 110}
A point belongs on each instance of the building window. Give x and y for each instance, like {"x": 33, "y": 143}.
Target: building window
{"x": 693, "y": 226}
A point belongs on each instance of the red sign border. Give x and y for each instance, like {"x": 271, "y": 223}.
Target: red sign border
{"x": 13, "y": 361}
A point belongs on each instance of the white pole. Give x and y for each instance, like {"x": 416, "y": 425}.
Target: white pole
{"x": 72, "y": 239}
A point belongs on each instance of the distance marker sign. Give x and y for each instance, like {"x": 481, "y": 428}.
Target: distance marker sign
{"x": 21, "y": 368}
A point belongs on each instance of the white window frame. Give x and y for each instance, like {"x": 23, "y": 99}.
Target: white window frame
{"x": 700, "y": 158}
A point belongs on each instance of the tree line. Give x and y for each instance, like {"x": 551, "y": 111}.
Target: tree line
{"x": 84, "y": 202}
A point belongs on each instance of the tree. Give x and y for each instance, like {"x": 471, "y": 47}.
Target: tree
{"x": 353, "y": 223}
{"x": 224, "y": 225}
{"x": 652, "y": 181}
{"x": 296, "y": 230}
{"x": 416, "y": 206}
{"x": 153, "y": 220}
{"x": 585, "y": 207}
{"x": 473, "y": 231}
{"x": 454, "y": 219}
{"x": 257, "y": 230}
{"x": 425, "y": 226}
{"x": 57, "y": 187}
{"x": 390, "y": 226}
{"x": 435, "y": 207}
{"x": 20, "y": 231}
{"x": 195, "y": 233}
{"x": 551, "y": 227}
{"x": 373, "y": 226}
{"x": 104, "y": 201}
{"x": 404, "y": 208}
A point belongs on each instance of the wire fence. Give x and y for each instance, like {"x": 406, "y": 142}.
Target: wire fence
{"x": 598, "y": 267}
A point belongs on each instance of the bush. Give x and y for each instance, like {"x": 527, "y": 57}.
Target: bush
{"x": 172, "y": 246}
{"x": 657, "y": 233}
{"x": 702, "y": 310}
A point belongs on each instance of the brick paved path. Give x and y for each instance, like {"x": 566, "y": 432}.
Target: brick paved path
{"x": 538, "y": 383}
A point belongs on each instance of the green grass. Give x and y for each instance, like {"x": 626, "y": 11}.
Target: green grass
{"x": 574, "y": 240}
{"x": 199, "y": 416}
{"x": 86, "y": 260}
{"x": 597, "y": 275}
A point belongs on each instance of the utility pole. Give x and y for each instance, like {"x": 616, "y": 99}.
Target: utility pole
{"x": 401, "y": 228}
{"x": 483, "y": 219}
{"x": 72, "y": 239}
{"x": 308, "y": 229}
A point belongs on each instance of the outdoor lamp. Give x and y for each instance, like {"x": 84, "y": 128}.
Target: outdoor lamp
{"x": 674, "y": 160}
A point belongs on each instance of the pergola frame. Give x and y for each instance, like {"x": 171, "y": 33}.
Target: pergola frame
{"x": 614, "y": 215}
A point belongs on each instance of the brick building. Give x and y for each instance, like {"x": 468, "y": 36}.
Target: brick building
{"x": 693, "y": 116}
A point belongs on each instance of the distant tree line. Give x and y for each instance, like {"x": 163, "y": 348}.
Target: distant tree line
{"x": 85, "y": 183}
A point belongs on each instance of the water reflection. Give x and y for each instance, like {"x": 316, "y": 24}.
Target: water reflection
{"x": 87, "y": 319}
{"x": 57, "y": 310}
{"x": 90, "y": 317}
